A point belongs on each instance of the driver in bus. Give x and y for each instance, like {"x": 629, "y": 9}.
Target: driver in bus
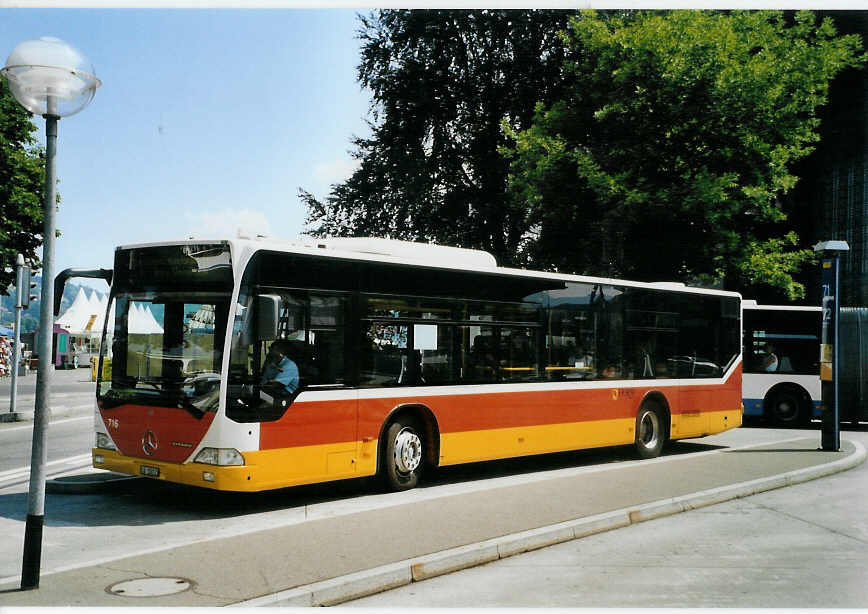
{"x": 280, "y": 374}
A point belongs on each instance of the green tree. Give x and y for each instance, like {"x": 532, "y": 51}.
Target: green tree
{"x": 22, "y": 186}
{"x": 442, "y": 82}
{"x": 671, "y": 153}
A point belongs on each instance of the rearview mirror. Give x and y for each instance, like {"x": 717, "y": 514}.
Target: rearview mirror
{"x": 267, "y": 316}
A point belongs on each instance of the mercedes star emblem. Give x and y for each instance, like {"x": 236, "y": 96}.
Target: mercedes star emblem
{"x": 149, "y": 442}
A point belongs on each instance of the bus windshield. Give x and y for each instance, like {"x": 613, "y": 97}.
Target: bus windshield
{"x": 165, "y": 332}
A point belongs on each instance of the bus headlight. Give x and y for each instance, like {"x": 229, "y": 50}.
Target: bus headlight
{"x": 219, "y": 456}
{"x": 105, "y": 442}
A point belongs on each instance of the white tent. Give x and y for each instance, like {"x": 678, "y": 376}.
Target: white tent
{"x": 83, "y": 317}
{"x": 98, "y": 304}
{"x": 141, "y": 321}
{"x": 82, "y": 324}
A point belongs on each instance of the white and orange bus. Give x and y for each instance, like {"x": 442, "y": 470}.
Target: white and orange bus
{"x": 410, "y": 357}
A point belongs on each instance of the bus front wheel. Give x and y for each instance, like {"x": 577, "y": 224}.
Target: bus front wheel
{"x": 404, "y": 454}
{"x": 650, "y": 431}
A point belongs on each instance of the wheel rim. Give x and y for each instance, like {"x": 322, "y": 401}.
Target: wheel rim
{"x": 649, "y": 429}
{"x": 408, "y": 451}
{"x": 786, "y": 409}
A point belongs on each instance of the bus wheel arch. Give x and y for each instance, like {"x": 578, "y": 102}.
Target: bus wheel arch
{"x": 787, "y": 404}
{"x": 653, "y": 425}
{"x": 409, "y": 444}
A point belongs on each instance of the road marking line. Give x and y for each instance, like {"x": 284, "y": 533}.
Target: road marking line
{"x": 29, "y": 425}
{"x": 12, "y": 473}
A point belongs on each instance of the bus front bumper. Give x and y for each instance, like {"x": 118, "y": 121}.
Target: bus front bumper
{"x": 237, "y": 477}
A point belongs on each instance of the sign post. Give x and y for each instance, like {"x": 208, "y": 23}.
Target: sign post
{"x": 22, "y": 300}
{"x": 830, "y": 359}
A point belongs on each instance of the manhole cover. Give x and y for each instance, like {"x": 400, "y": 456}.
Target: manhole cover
{"x": 149, "y": 587}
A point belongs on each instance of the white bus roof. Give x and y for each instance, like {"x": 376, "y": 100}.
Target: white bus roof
{"x": 410, "y": 253}
{"x": 752, "y": 304}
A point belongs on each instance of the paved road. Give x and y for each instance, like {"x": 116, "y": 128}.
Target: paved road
{"x": 334, "y": 542}
{"x": 67, "y": 437}
{"x": 804, "y": 546}
{"x": 70, "y": 432}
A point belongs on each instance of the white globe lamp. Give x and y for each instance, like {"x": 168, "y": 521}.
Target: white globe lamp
{"x": 50, "y": 77}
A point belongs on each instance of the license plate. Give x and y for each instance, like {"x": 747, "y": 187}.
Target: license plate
{"x": 151, "y": 472}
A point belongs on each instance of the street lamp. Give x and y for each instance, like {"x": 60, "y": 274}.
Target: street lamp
{"x": 830, "y": 353}
{"x": 50, "y": 78}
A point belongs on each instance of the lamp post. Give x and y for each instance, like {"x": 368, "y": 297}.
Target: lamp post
{"x": 50, "y": 78}
{"x": 830, "y": 353}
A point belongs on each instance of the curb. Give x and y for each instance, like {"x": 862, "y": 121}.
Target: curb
{"x": 361, "y": 584}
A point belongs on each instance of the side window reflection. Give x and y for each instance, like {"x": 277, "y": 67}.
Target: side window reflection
{"x": 266, "y": 376}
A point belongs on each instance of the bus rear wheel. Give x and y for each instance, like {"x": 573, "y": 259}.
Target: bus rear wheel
{"x": 403, "y": 454}
{"x": 650, "y": 431}
{"x": 784, "y": 408}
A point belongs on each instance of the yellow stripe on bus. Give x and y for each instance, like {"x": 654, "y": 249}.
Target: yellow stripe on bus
{"x": 262, "y": 470}
{"x": 472, "y": 446}
{"x": 278, "y": 468}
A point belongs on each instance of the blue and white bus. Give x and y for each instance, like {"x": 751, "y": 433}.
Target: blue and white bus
{"x": 781, "y": 377}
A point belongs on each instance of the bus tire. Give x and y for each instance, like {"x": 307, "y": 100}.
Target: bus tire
{"x": 403, "y": 455}
{"x": 784, "y": 408}
{"x": 650, "y": 430}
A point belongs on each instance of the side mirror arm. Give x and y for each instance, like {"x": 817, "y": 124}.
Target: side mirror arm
{"x": 60, "y": 281}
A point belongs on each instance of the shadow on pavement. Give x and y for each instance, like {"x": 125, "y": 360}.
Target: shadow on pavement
{"x": 771, "y": 451}
{"x": 814, "y": 425}
{"x": 140, "y": 501}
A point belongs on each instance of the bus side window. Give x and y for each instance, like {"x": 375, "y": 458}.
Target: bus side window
{"x": 383, "y": 356}
{"x": 482, "y": 366}
{"x": 518, "y": 354}
{"x": 325, "y": 340}
{"x": 569, "y": 351}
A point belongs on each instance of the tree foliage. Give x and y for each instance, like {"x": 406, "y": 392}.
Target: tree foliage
{"x": 22, "y": 185}
{"x": 671, "y": 152}
{"x": 442, "y": 83}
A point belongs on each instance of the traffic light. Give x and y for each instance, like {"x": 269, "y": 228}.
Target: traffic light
{"x": 26, "y": 287}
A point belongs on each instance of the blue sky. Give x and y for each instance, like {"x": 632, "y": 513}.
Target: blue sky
{"x": 206, "y": 120}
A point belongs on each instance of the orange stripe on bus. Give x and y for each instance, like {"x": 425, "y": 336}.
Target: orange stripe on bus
{"x": 325, "y": 422}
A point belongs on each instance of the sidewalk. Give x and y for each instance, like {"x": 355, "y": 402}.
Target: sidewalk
{"x": 329, "y": 560}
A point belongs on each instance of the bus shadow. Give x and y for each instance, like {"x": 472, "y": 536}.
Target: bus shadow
{"x": 771, "y": 451}
{"x": 814, "y": 425}
{"x": 861, "y": 427}
{"x": 144, "y": 502}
